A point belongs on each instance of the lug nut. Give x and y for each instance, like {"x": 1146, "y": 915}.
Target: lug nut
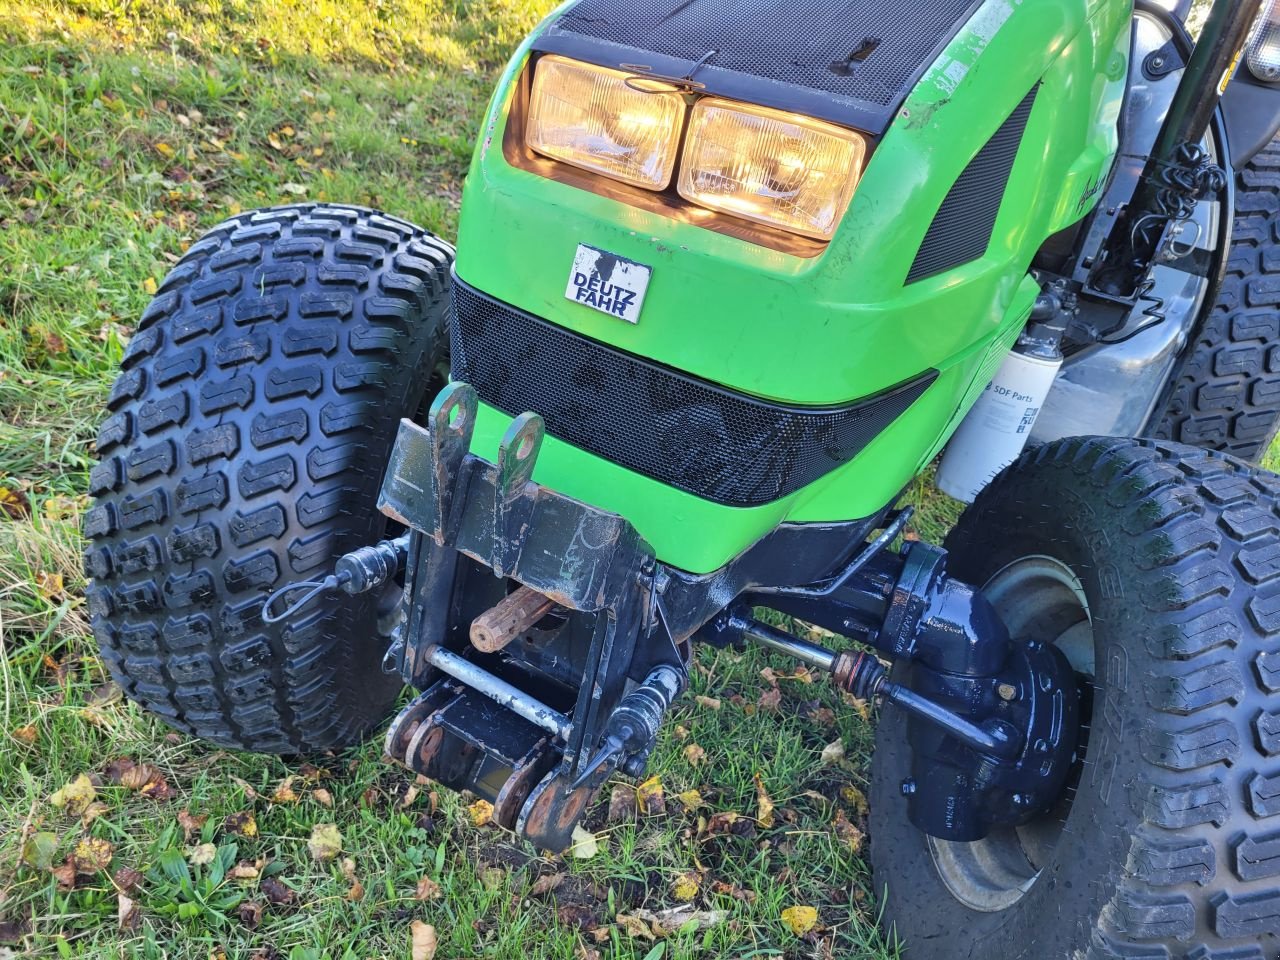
{"x": 908, "y": 787}
{"x": 1007, "y": 691}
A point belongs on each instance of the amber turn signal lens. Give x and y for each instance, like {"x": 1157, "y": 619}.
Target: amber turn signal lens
{"x": 606, "y": 121}
{"x": 773, "y": 167}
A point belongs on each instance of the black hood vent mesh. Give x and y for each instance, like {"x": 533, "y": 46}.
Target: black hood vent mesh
{"x": 850, "y": 62}
{"x": 961, "y": 229}
{"x": 720, "y": 445}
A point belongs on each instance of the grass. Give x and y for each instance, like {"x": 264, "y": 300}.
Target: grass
{"x": 126, "y": 130}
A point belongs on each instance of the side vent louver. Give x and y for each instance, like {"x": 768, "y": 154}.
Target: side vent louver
{"x": 961, "y": 229}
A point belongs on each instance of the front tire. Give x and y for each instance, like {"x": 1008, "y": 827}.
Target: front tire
{"x": 1156, "y": 567}
{"x": 245, "y": 445}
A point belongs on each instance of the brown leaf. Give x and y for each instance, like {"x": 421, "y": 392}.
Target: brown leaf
{"x": 276, "y": 891}
{"x": 427, "y": 889}
{"x": 622, "y": 803}
{"x": 245, "y": 870}
{"x": 242, "y": 824}
{"x": 323, "y": 797}
{"x": 311, "y": 773}
{"x": 695, "y": 755}
{"x": 127, "y": 879}
{"x": 847, "y": 832}
{"x": 50, "y": 586}
{"x": 11, "y": 931}
{"x": 770, "y": 701}
{"x": 356, "y": 891}
{"x": 731, "y": 890}
{"x": 92, "y": 812}
{"x": 711, "y": 703}
{"x": 249, "y": 792}
{"x": 147, "y": 781}
{"x": 250, "y": 913}
{"x": 191, "y": 823}
{"x": 117, "y": 768}
{"x": 25, "y": 734}
{"x": 65, "y": 875}
{"x": 91, "y": 855}
{"x": 423, "y": 942}
{"x": 578, "y": 916}
{"x": 545, "y": 884}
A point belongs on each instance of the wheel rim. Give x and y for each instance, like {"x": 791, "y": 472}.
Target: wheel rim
{"x": 1038, "y": 597}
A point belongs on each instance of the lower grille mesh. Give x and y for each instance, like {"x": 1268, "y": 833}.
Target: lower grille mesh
{"x": 719, "y": 445}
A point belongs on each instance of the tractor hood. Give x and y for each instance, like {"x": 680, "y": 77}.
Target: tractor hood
{"x": 852, "y": 62}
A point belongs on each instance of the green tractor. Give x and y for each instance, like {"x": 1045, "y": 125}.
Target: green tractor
{"x": 729, "y": 277}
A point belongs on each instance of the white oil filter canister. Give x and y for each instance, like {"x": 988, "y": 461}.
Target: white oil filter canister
{"x": 996, "y": 428}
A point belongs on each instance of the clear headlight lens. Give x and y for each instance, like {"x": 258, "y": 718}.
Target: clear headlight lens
{"x": 1263, "y": 52}
{"x": 594, "y": 118}
{"x": 770, "y": 166}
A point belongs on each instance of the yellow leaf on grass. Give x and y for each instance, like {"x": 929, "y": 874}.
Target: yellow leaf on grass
{"x": 91, "y": 855}
{"x": 150, "y": 285}
{"x": 764, "y": 805}
{"x": 694, "y": 754}
{"x": 481, "y": 812}
{"x": 49, "y": 585}
{"x": 856, "y": 799}
{"x": 690, "y": 799}
{"x": 201, "y": 854}
{"x": 75, "y": 797}
{"x": 284, "y": 792}
{"x": 685, "y": 887}
{"x": 650, "y": 797}
{"x": 164, "y": 150}
{"x": 584, "y": 844}
{"x": 423, "y": 942}
{"x": 325, "y": 842}
{"x": 800, "y": 919}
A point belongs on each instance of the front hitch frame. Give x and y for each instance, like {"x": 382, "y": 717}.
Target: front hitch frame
{"x": 533, "y": 697}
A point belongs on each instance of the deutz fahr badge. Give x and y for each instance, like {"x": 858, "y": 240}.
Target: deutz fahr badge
{"x": 607, "y": 282}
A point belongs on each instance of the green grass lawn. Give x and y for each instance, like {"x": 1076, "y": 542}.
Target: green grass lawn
{"x": 127, "y": 129}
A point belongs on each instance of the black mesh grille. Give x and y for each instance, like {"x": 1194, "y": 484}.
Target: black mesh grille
{"x": 867, "y": 52}
{"x": 722, "y": 446}
{"x": 961, "y": 229}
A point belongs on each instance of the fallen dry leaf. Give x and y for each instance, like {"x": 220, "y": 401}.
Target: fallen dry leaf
{"x": 14, "y": 504}
{"x": 833, "y": 752}
{"x": 250, "y": 913}
{"x": 92, "y": 812}
{"x": 800, "y": 919}
{"x": 75, "y": 796}
{"x": 323, "y": 797}
{"x": 284, "y": 792}
{"x": 764, "y": 805}
{"x": 325, "y": 842}
{"x": 694, "y": 754}
{"x": 622, "y": 803}
{"x": 427, "y": 889}
{"x": 128, "y": 916}
{"x": 147, "y": 781}
{"x": 711, "y": 703}
{"x": 423, "y": 942}
{"x": 201, "y": 854}
{"x": 583, "y": 844}
{"x": 191, "y": 823}
{"x": 650, "y": 798}
{"x": 127, "y": 879}
{"x": 276, "y": 891}
{"x": 355, "y": 891}
{"x": 26, "y": 734}
{"x": 847, "y": 832}
{"x": 115, "y": 769}
{"x": 50, "y": 586}
{"x": 150, "y": 285}
{"x": 856, "y": 799}
{"x": 685, "y": 887}
{"x": 245, "y": 870}
{"x": 91, "y": 855}
{"x": 690, "y": 800}
{"x": 544, "y": 884}
{"x": 244, "y": 785}
{"x": 770, "y": 700}
{"x": 242, "y": 824}
{"x": 481, "y": 812}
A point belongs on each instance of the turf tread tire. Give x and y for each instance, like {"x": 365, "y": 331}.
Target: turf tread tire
{"x": 1174, "y": 849}
{"x": 243, "y": 449}
{"x": 1224, "y": 393}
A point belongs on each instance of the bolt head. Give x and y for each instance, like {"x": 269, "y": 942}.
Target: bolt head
{"x": 1007, "y": 691}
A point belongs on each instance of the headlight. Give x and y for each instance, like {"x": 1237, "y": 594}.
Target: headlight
{"x": 1263, "y": 54}
{"x": 777, "y": 168}
{"x": 603, "y": 120}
